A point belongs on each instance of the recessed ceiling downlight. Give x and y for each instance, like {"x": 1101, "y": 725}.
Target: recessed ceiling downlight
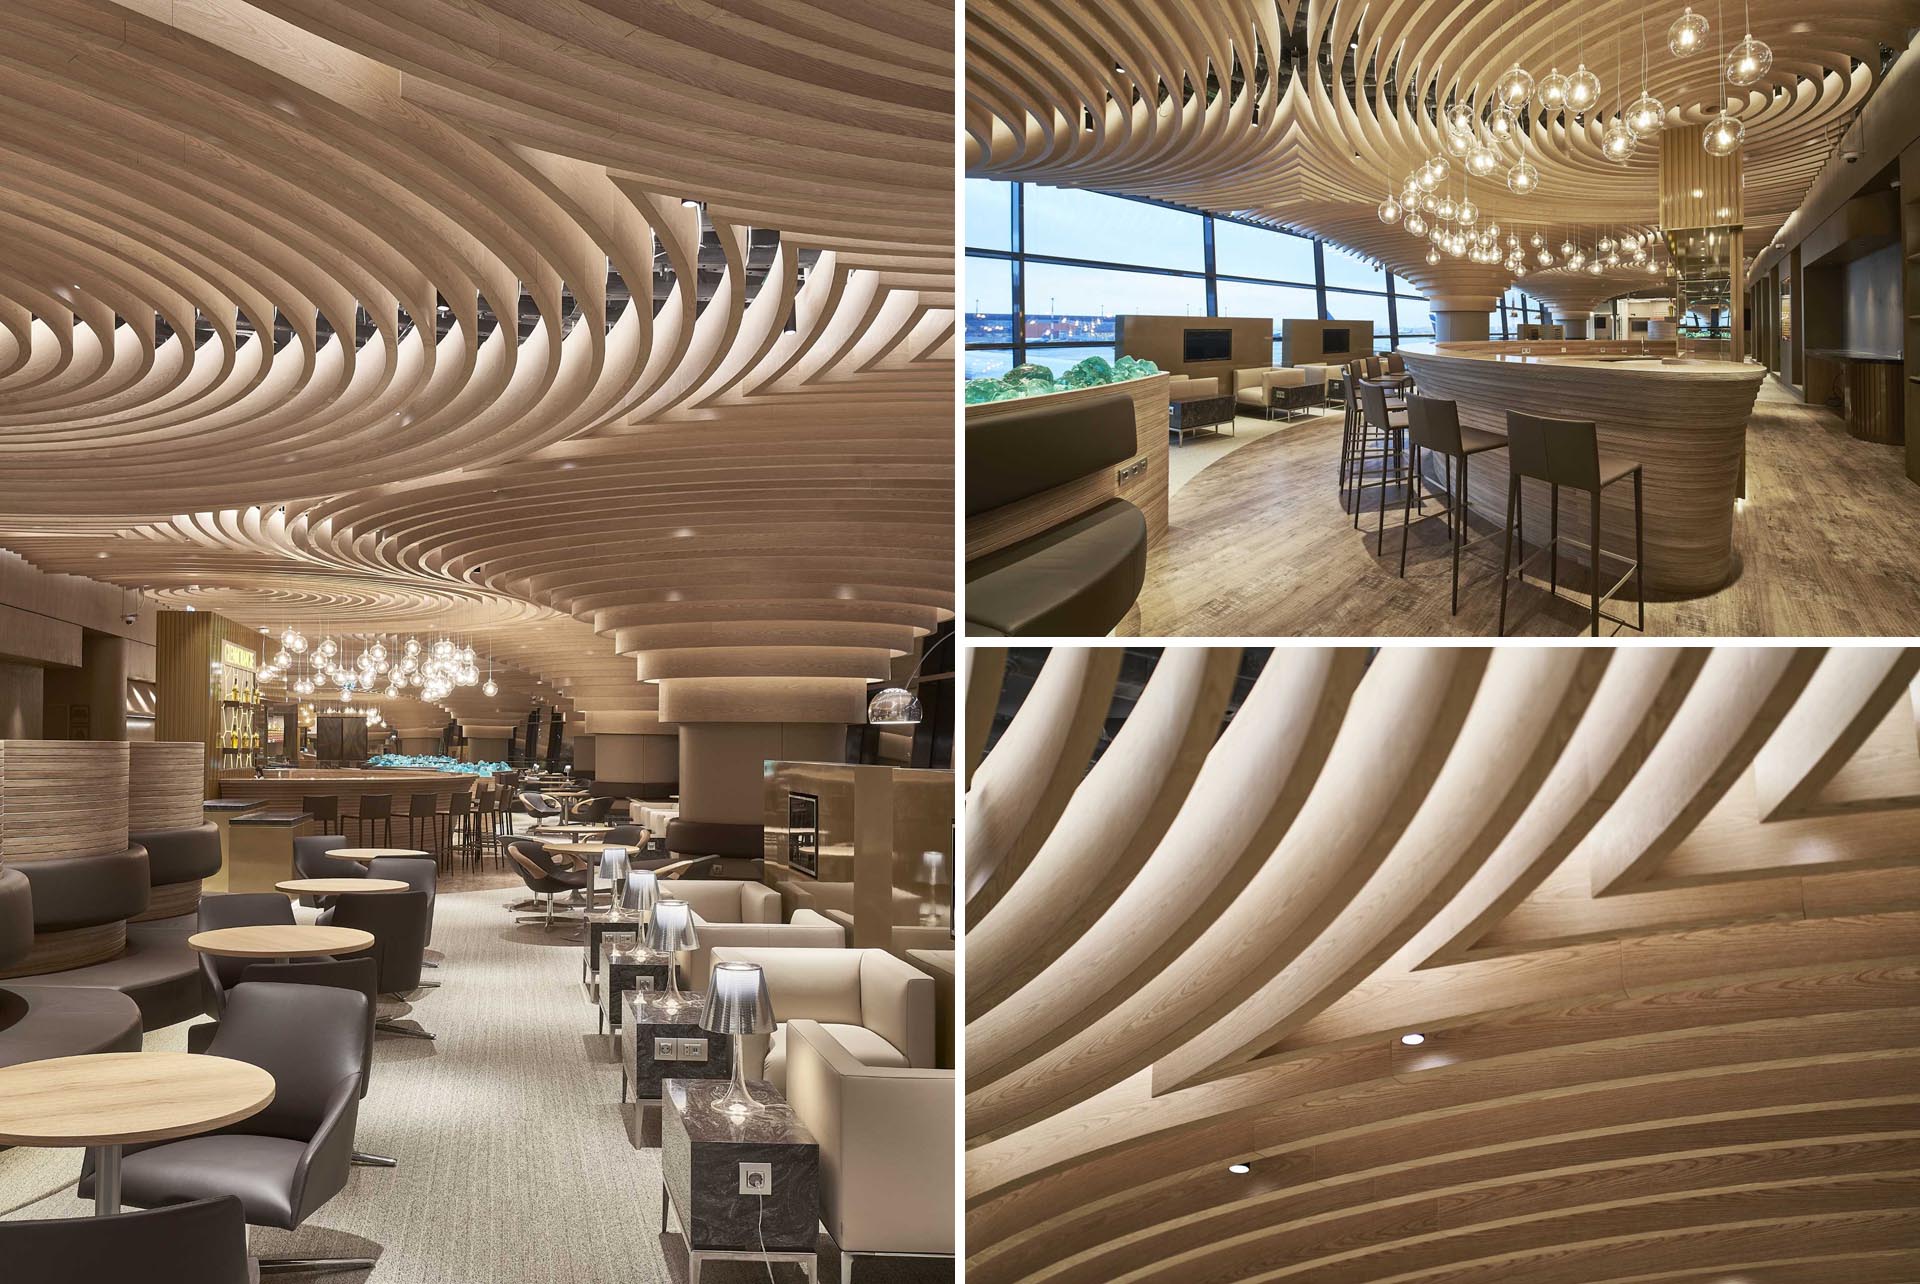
{"x": 1414, "y": 1039}
{"x": 1240, "y": 1169}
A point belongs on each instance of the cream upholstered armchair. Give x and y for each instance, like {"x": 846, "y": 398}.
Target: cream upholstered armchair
{"x": 879, "y": 1008}
{"x": 1287, "y": 388}
{"x": 1184, "y": 388}
{"x": 824, "y": 898}
{"x": 725, "y": 900}
{"x": 808, "y": 930}
{"x": 886, "y": 1147}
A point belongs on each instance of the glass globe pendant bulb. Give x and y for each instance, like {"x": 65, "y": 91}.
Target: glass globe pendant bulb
{"x": 1748, "y": 61}
{"x": 1459, "y": 144}
{"x": 1617, "y": 143}
{"x": 1688, "y": 34}
{"x": 1460, "y": 118}
{"x": 1646, "y": 115}
{"x": 1415, "y": 224}
{"x": 1433, "y": 254}
{"x": 1482, "y": 160}
{"x": 1553, "y": 90}
{"x": 1544, "y": 259}
{"x": 1593, "y": 268}
{"x": 1583, "y": 89}
{"x": 1446, "y": 209}
{"x": 1724, "y": 134}
{"x": 1467, "y": 211}
{"x": 490, "y": 688}
{"x": 1522, "y": 179}
{"x": 1438, "y": 167}
{"x": 1514, "y": 87}
{"x": 1388, "y": 211}
{"x": 1500, "y": 123}
{"x": 1430, "y": 203}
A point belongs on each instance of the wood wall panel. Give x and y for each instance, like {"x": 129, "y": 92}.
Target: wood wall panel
{"x": 165, "y": 787}
{"x": 59, "y": 951}
{"x": 1675, "y": 1082}
{"x": 64, "y": 798}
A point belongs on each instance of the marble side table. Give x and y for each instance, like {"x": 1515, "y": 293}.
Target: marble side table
{"x": 647, "y": 1065}
{"x": 599, "y": 927}
{"x": 707, "y": 1159}
{"x": 626, "y": 966}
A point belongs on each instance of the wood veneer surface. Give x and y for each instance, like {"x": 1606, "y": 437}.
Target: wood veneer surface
{"x": 1684, "y": 423}
{"x": 1618, "y": 1078}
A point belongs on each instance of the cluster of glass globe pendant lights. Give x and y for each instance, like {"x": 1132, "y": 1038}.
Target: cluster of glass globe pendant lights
{"x": 1451, "y": 229}
{"x": 436, "y": 668}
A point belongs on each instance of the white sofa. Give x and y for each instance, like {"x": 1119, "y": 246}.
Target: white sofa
{"x": 1287, "y": 388}
{"x": 886, "y": 1146}
{"x": 879, "y": 1008}
{"x": 824, "y": 898}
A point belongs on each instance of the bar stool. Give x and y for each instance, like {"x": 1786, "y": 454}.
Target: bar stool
{"x": 1355, "y": 434}
{"x": 325, "y": 810}
{"x": 423, "y": 809}
{"x": 461, "y": 836}
{"x": 1566, "y": 452}
{"x": 1381, "y": 421}
{"x": 1433, "y": 424}
{"x": 368, "y": 809}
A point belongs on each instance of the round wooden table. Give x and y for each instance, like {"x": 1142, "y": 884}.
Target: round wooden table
{"x": 106, "y": 1100}
{"x": 280, "y": 941}
{"x": 339, "y": 886}
{"x": 571, "y": 828}
{"x": 365, "y": 854}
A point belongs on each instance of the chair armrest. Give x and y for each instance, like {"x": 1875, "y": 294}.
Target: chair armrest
{"x": 807, "y": 931}
{"x": 324, "y": 1166}
{"x": 886, "y": 1144}
{"x": 759, "y": 904}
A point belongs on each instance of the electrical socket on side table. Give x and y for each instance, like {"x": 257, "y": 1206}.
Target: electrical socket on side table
{"x": 756, "y": 1179}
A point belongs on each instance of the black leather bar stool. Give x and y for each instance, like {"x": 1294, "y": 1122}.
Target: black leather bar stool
{"x": 371, "y": 809}
{"x": 1566, "y": 452}
{"x": 1434, "y": 424}
{"x": 324, "y": 808}
{"x": 423, "y": 812}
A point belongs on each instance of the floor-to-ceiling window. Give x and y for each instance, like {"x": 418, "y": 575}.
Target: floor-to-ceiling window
{"x": 1048, "y": 269}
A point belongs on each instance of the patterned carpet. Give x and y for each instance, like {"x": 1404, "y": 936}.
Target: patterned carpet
{"x": 515, "y": 1158}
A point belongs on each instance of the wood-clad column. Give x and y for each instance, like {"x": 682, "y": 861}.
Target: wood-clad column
{"x": 63, "y": 823}
{"x": 728, "y": 727}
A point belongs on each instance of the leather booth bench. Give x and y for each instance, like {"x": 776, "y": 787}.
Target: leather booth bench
{"x": 1079, "y": 577}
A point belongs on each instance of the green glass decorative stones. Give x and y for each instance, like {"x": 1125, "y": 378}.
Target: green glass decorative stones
{"x": 1033, "y": 380}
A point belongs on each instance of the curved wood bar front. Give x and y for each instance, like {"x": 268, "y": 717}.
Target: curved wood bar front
{"x": 285, "y": 789}
{"x": 1684, "y": 421}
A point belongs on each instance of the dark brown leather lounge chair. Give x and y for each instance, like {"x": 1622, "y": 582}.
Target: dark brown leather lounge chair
{"x": 288, "y": 1160}
{"x": 398, "y": 922}
{"x": 235, "y": 909}
{"x": 202, "y": 1242}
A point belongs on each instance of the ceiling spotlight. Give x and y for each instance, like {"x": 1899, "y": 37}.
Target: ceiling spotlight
{"x": 1413, "y": 1040}
{"x": 1240, "y": 1170}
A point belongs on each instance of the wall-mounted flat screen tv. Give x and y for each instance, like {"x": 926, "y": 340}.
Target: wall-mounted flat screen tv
{"x": 1336, "y": 340}
{"x": 1208, "y": 345}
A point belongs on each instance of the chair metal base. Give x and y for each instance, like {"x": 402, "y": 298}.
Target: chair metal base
{"x": 390, "y": 1028}
{"x": 361, "y": 1159}
{"x": 281, "y": 1265}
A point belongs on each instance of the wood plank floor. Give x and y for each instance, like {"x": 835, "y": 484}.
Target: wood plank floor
{"x": 1827, "y": 544}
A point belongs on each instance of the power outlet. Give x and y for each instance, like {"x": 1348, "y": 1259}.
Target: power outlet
{"x": 666, "y": 1049}
{"x": 756, "y": 1179}
{"x": 694, "y": 1050}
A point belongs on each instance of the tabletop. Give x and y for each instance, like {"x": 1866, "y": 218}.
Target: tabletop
{"x": 571, "y": 829}
{"x": 580, "y": 849}
{"x": 340, "y": 886}
{"x": 373, "y": 853}
{"x": 280, "y": 941}
{"x": 114, "y": 1098}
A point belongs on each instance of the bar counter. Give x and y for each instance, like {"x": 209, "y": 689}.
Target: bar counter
{"x": 285, "y": 789}
{"x": 1683, "y": 420}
